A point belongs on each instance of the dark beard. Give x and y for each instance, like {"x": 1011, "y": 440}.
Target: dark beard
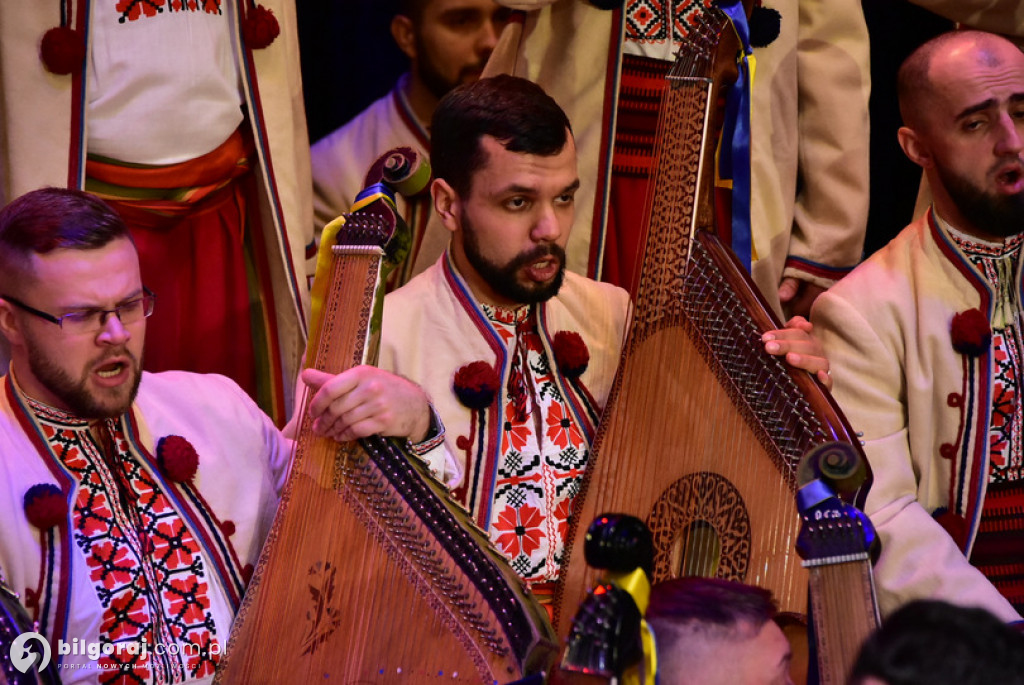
{"x": 435, "y": 82}
{"x": 504, "y": 279}
{"x": 74, "y": 394}
{"x": 997, "y": 215}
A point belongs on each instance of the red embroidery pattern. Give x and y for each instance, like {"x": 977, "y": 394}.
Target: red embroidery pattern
{"x": 519, "y": 531}
{"x": 543, "y": 455}
{"x": 133, "y": 10}
{"x": 1005, "y": 428}
{"x": 147, "y": 568}
{"x": 515, "y": 435}
{"x": 561, "y": 430}
{"x": 649, "y": 21}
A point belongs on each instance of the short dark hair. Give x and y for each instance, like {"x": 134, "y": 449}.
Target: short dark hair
{"x": 937, "y": 643}
{"x": 48, "y": 219}
{"x": 515, "y": 111}
{"x": 410, "y": 8}
{"x": 711, "y": 602}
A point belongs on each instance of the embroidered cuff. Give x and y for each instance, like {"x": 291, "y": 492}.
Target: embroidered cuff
{"x": 435, "y": 436}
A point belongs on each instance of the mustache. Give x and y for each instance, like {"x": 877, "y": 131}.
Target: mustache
{"x": 472, "y": 71}
{"x": 1016, "y": 164}
{"x": 111, "y": 355}
{"x": 539, "y": 252}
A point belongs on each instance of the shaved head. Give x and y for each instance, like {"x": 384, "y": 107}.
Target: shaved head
{"x": 962, "y": 99}
{"x": 915, "y": 83}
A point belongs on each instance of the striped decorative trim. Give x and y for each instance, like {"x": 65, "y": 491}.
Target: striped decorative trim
{"x": 199, "y": 517}
{"x": 251, "y": 87}
{"x": 422, "y": 447}
{"x": 53, "y": 591}
{"x": 408, "y": 116}
{"x": 963, "y": 456}
{"x": 970, "y": 474}
{"x": 568, "y": 389}
{"x": 817, "y": 269}
{"x": 981, "y": 407}
{"x": 480, "y": 498}
{"x": 76, "y": 150}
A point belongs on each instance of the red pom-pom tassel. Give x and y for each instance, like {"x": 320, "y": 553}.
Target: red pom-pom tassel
{"x": 476, "y": 384}
{"x": 45, "y": 506}
{"x": 260, "y": 28}
{"x": 970, "y": 332}
{"x": 571, "y": 353}
{"x": 62, "y": 50}
{"x": 177, "y": 458}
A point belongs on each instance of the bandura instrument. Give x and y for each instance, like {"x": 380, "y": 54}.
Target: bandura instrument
{"x": 370, "y": 573}
{"x": 703, "y": 430}
{"x": 836, "y": 542}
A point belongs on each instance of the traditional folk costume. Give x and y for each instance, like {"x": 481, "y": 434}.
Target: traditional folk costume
{"x": 925, "y": 344}
{"x": 140, "y": 542}
{"x": 342, "y": 158}
{"x": 519, "y": 391}
{"x": 198, "y": 139}
{"x": 998, "y": 16}
{"x": 809, "y": 129}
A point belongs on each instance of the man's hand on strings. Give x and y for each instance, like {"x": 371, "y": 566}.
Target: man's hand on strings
{"x": 797, "y": 296}
{"x": 796, "y": 342}
{"x": 364, "y": 401}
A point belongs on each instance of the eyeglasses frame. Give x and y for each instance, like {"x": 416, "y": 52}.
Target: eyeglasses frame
{"x": 59, "y": 320}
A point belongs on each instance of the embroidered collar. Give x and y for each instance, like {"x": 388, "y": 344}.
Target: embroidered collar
{"x": 47, "y": 413}
{"x": 510, "y": 316}
{"x": 997, "y": 262}
{"x": 977, "y": 247}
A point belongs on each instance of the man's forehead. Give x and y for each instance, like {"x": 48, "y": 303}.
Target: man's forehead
{"x": 115, "y": 264}
{"x": 438, "y": 7}
{"x": 504, "y": 170}
{"x": 975, "y": 71}
{"x": 496, "y": 153}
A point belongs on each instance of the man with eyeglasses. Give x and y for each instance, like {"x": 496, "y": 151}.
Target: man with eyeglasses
{"x": 133, "y": 504}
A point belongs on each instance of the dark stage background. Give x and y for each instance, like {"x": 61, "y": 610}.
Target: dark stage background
{"x": 349, "y": 60}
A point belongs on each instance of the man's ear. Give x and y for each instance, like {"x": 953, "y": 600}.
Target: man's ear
{"x": 915, "y": 147}
{"x": 404, "y": 34}
{"x": 9, "y": 327}
{"x": 446, "y": 204}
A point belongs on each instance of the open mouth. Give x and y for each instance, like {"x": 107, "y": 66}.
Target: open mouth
{"x": 543, "y": 269}
{"x": 110, "y": 369}
{"x": 542, "y": 263}
{"x": 1010, "y": 176}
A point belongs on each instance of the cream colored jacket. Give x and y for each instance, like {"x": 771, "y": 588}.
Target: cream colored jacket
{"x": 922, "y": 407}
{"x": 433, "y": 326}
{"x": 228, "y": 509}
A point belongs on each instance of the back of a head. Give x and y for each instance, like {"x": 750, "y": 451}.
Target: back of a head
{"x": 694, "y": 619}
{"x": 710, "y": 601}
{"x": 48, "y": 219}
{"x": 929, "y": 642}
{"x": 515, "y": 111}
